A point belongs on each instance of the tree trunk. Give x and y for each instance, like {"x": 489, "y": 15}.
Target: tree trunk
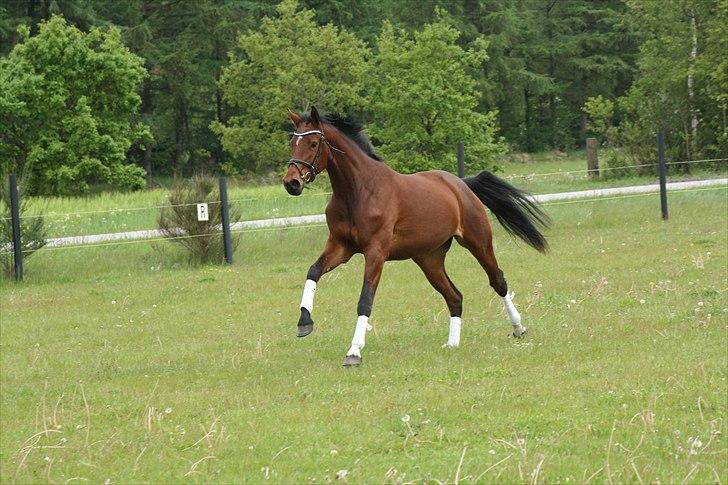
{"x": 181, "y": 136}
{"x": 691, "y": 87}
{"x": 146, "y": 109}
{"x": 527, "y": 120}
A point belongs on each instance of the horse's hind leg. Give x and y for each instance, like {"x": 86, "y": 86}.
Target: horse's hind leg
{"x": 433, "y": 265}
{"x": 481, "y": 246}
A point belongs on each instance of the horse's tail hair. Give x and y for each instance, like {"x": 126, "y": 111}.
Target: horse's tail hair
{"x": 516, "y": 210}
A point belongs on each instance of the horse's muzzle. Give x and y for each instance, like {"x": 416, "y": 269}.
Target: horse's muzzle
{"x": 293, "y": 186}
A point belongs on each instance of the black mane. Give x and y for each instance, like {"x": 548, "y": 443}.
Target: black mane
{"x": 351, "y": 128}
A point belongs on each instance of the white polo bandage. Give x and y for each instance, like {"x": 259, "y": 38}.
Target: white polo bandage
{"x": 513, "y": 314}
{"x": 359, "y": 340}
{"x": 454, "y": 339}
{"x": 308, "y": 291}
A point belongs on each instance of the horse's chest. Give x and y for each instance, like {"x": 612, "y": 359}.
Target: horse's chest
{"x": 358, "y": 229}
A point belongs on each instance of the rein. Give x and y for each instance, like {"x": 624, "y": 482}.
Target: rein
{"x": 311, "y": 166}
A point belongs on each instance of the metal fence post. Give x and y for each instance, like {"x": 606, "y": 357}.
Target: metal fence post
{"x": 15, "y": 216}
{"x": 663, "y": 172}
{"x": 461, "y": 159}
{"x": 227, "y": 240}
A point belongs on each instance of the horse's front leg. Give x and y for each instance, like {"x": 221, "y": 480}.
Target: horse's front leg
{"x": 334, "y": 254}
{"x": 374, "y": 262}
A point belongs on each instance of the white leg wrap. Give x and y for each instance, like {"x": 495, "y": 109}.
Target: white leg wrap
{"x": 513, "y": 314}
{"x": 308, "y": 291}
{"x": 357, "y": 343}
{"x": 454, "y": 339}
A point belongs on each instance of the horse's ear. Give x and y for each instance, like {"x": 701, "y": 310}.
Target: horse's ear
{"x": 314, "y": 115}
{"x": 294, "y": 117}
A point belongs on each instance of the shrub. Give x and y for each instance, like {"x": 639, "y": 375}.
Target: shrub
{"x": 618, "y": 164}
{"x": 202, "y": 239}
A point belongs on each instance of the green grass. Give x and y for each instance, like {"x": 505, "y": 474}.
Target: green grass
{"x": 115, "y": 212}
{"x": 144, "y": 369}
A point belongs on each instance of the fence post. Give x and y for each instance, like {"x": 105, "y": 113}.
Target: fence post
{"x": 663, "y": 173}
{"x": 592, "y": 158}
{"x": 15, "y": 216}
{"x": 227, "y": 241}
{"x": 461, "y": 159}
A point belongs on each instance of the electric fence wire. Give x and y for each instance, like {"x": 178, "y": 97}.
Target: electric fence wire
{"x": 304, "y": 226}
{"x": 120, "y": 210}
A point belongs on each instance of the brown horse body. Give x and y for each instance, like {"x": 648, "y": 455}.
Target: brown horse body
{"x": 385, "y": 216}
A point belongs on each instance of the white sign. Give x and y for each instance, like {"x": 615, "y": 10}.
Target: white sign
{"x": 202, "y": 213}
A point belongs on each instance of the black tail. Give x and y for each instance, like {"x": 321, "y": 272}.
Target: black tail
{"x": 516, "y": 210}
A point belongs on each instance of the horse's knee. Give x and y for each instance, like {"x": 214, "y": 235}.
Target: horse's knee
{"x": 316, "y": 270}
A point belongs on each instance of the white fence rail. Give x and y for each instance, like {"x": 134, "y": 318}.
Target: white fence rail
{"x": 320, "y": 218}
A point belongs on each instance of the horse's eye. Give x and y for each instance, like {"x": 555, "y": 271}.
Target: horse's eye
{"x": 314, "y": 144}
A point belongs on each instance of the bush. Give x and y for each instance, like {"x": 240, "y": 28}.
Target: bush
{"x": 617, "y": 163}
{"x": 202, "y": 239}
{"x": 32, "y": 232}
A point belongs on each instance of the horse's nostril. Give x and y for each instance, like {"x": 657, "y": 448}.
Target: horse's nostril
{"x": 293, "y": 187}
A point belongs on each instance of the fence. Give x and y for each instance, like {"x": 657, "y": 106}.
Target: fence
{"x": 268, "y": 223}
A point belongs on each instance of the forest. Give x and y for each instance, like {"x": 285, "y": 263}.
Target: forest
{"x": 121, "y": 93}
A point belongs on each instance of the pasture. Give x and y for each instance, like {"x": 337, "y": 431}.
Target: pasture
{"x": 121, "y": 363}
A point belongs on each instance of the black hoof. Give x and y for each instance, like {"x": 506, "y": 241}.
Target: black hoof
{"x": 352, "y": 360}
{"x": 521, "y": 334}
{"x": 305, "y": 324}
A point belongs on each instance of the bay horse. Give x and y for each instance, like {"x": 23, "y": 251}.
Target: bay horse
{"x": 386, "y": 216}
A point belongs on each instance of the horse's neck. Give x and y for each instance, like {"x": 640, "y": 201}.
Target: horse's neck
{"x": 350, "y": 171}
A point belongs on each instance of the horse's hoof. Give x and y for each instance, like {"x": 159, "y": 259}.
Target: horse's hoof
{"x": 519, "y": 331}
{"x": 352, "y": 360}
{"x": 304, "y": 330}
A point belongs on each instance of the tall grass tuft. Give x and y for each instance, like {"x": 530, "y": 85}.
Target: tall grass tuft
{"x": 202, "y": 239}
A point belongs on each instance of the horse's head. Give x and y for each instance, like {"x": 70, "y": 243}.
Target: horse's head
{"x": 310, "y": 152}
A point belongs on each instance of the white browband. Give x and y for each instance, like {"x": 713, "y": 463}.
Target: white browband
{"x": 312, "y": 132}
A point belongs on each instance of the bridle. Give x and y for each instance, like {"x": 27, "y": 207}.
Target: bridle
{"x": 311, "y": 166}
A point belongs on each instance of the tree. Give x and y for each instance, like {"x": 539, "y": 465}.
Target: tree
{"x": 67, "y": 106}
{"x": 424, "y": 100}
{"x": 289, "y": 63}
{"x": 185, "y": 45}
{"x": 599, "y": 113}
{"x": 679, "y": 87}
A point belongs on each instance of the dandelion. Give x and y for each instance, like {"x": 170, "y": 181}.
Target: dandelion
{"x": 341, "y": 474}
{"x": 405, "y": 418}
{"x": 333, "y": 452}
{"x": 642, "y": 302}
{"x": 168, "y": 410}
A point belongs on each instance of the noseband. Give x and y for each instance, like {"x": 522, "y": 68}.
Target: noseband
{"x": 311, "y": 166}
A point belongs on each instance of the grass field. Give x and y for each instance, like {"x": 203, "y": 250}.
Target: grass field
{"x": 122, "y": 363}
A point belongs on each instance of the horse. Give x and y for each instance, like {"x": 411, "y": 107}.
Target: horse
{"x": 386, "y": 216}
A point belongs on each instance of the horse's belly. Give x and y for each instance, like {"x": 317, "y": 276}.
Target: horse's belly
{"x": 421, "y": 234}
